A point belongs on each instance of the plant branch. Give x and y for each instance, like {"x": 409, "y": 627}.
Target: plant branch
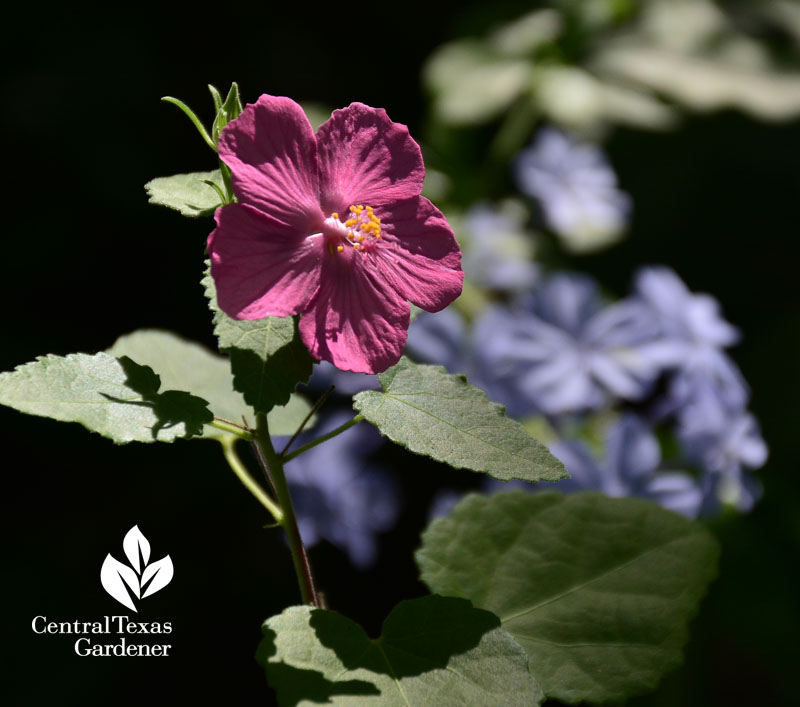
{"x": 264, "y": 467}
{"x": 228, "y": 426}
{"x": 315, "y": 408}
{"x": 289, "y": 522}
{"x": 228, "y": 449}
{"x": 319, "y": 440}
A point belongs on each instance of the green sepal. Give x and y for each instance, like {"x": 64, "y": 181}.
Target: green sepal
{"x": 231, "y": 108}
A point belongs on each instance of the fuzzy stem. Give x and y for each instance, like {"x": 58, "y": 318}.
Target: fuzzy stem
{"x": 289, "y": 522}
{"x": 228, "y": 448}
{"x": 233, "y": 428}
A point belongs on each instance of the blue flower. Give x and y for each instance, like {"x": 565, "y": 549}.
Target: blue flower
{"x": 725, "y": 442}
{"x": 498, "y": 252}
{"x": 629, "y": 468}
{"x": 562, "y": 350}
{"x": 692, "y": 337}
{"x": 339, "y": 495}
{"x": 576, "y": 188}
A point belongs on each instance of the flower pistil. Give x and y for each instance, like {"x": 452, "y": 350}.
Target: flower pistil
{"x": 360, "y": 230}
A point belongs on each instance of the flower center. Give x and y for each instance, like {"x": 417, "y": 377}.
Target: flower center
{"x": 361, "y": 230}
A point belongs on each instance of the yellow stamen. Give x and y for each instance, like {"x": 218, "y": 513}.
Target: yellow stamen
{"x": 340, "y": 248}
{"x": 334, "y": 215}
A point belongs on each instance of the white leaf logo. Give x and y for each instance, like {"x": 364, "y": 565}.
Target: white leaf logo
{"x": 158, "y": 574}
{"x": 120, "y": 581}
{"x": 112, "y": 575}
{"x": 134, "y": 544}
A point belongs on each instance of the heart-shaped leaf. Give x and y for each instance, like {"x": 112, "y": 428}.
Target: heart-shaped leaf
{"x": 597, "y": 590}
{"x": 433, "y": 651}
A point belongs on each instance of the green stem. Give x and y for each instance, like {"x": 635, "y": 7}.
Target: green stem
{"x": 228, "y": 448}
{"x": 226, "y": 426}
{"x": 319, "y": 440}
{"x": 317, "y": 405}
{"x": 289, "y": 522}
{"x": 226, "y": 180}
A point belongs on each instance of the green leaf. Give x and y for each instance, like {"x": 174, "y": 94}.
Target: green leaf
{"x": 433, "y": 651}
{"x": 114, "y": 397}
{"x": 186, "y": 365}
{"x": 187, "y": 193}
{"x": 268, "y": 358}
{"x": 472, "y": 83}
{"x": 431, "y": 412}
{"x": 597, "y": 590}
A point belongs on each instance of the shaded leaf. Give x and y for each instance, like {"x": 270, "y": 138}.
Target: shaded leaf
{"x": 187, "y": 365}
{"x": 433, "y": 651}
{"x": 187, "y": 193}
{"x": 441, "y": 416}
{"x": 268, "y": 359}
{"x": 115, "y": 397}
{"x": 597, "y": 590}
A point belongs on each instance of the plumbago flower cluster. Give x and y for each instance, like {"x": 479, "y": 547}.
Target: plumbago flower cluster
{"x": 578, "y": 368}
{"x": 321, "y": 241}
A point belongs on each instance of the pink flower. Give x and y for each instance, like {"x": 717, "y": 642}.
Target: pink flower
{"x": 331, "y": 226}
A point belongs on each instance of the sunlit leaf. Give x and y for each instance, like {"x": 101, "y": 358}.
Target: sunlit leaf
{"x": 441, "y": 416}
{"x": 187, "y": 193}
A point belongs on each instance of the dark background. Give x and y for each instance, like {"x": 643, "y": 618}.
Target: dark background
{"x": 85, "y": 259}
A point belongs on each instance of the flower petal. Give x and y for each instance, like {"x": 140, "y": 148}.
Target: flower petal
{"x": 262, "y": 267}
{"x": 272, "y": 153}
{"x": 418, "y": 255}
{"x": 354, "y": 322}
{"x": 366, "y": 158}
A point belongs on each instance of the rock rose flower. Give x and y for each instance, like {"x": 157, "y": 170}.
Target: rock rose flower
{"x": 331, "y": 226}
